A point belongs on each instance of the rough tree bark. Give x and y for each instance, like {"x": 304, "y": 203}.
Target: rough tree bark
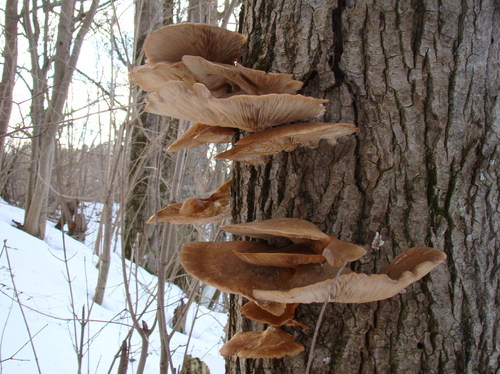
{"x": 421, "y": 81}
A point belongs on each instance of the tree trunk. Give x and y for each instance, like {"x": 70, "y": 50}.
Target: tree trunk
{"x": 67, "y": 51}
{"x": 9, "y": 71}
{"x": 421, "y": 81}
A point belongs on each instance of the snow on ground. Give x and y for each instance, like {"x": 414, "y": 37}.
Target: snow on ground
{"x": 55, "y": 280}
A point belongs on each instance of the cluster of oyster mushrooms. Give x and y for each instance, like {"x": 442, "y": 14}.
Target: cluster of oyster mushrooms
{"x": 192, "y": 73}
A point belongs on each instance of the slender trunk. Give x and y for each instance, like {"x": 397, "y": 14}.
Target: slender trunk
{"x": 419, "y": 80}
{"x": 9, "y": 70}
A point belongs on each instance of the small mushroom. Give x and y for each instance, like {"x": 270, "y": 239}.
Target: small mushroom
{"x": 212, "y": 43}
{"x": 271, "y": 343}
{"x": 338, "y": 252}
{"x": 246, "y": 112}
{"x": 254, "y": 148}
{"x": 199, "y": 211}
{"x": 297, "y": 230}
{"x": 253, "y": 311}
{"x": 218, "y": 77}
{"x": 199, "y": 134}
{"x": 150, "y": 77}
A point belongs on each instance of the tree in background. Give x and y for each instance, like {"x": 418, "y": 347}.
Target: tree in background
{"x": 421, "y": 81}
{"x": 49, "y": 93}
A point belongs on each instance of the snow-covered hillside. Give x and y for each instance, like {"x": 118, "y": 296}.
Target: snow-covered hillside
{"x": 55, "y": 281}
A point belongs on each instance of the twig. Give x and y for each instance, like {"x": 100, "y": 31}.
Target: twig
{"x": 315, "y": 336}
{"x": 5, "y": 248}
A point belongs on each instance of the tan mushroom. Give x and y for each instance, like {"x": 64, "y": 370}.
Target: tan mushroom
{"x": 246, "y": 112}
{"x": 219, "y": 77}
{"x": 212, "y": 43}
{"x": 199, "y": 211}
{"x": 217, "y": 265}
{"x": 150, "y": 77}
{"x": 408, "y": 267}
{"x": 281, "y": 258}
{"x": 253, "y": 311}
{"x": 338, "y": 252}
{"x": 199, "y": 134}
{"x": 254, "y": 148}
{"x": 295, "y": 229}
{"x": 271, "y": 343}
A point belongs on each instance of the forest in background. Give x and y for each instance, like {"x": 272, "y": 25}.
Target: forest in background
{"x": 73, "y": 131}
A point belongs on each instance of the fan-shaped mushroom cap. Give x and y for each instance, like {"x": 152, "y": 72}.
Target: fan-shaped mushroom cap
{"x": 199, "y": 211}
{"x": 338, "y": 252}
{"x": 253, "y": 148}
{"x": 408, "y": 267}
{"x": 150, "y": 77}
{"x": 246, "y": 112}
{"x": 212, "y": 43}
{"x": 297, "y": 230}
{"x": 216, "y": 77}
{"x": 199, "y": 134}
{"x": 272, "y": 343}
{"x": 253, "y": 311}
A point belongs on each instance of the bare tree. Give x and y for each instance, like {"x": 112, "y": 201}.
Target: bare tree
{"x": 421, "y": 81}
{"x": 8, "y": 75}
{"x": 46, "y": 121}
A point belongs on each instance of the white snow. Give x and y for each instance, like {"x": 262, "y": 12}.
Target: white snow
{"x": 55, "y": 280}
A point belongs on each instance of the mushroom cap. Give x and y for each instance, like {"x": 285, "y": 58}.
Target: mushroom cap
{"x": 218, "y": 77}
{"x": 213, "y": 43}
{"x": 338, "y": 252}
{"x": 150, "y": 77}
{"x": 253, "y": 311}
{"x": 271, "y": 343}
{"x": 215, "y": 264}
{"x": 408, "y": 267}
{"x": 246, "y": 112}
{"x": 198, "y": 211}
{"x": 297, "y": 230}
{"x": 253, "y": 148}
{"x": 199, "y": 134}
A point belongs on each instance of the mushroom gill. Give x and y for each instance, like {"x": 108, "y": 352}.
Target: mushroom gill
{"x": 199, "y": 134}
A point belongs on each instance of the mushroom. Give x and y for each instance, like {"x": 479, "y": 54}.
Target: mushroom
{"x": 349, "y": 287}
{"x": 199, "y": 134}
{"x": 200, "y": 211}
{"x": 150, "y": 77}
{"x": 253, "y": 148}
{"x": 253, "y": 311}
{"x": 338, "y": 252}
{"x": 212, "y": 43}
{"x": 295, "y": 229}
{"x": 271, "y": 343}
{"x": 218, "y": 77}
{"x": 217, "y": 265}
{"x": 246, "y": 112}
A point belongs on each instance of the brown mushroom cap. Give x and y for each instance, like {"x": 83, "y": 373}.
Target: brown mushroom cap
{"x": 253, "y": 148}
{"x": 408, "y": 267}
{"x": 246, "y": 112}
{"x": 199, "y": 134}
{"x": 272, "y": 343}
{"x": 150, "y": 77}
{"x": 297, "y": 230}
{"x": 253, "y": 311}
{"x": 217, "y": 77}
{"x": 212, "y": 43}
{"x": 338, "y": 252}
{"x": 199, "y": 211}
